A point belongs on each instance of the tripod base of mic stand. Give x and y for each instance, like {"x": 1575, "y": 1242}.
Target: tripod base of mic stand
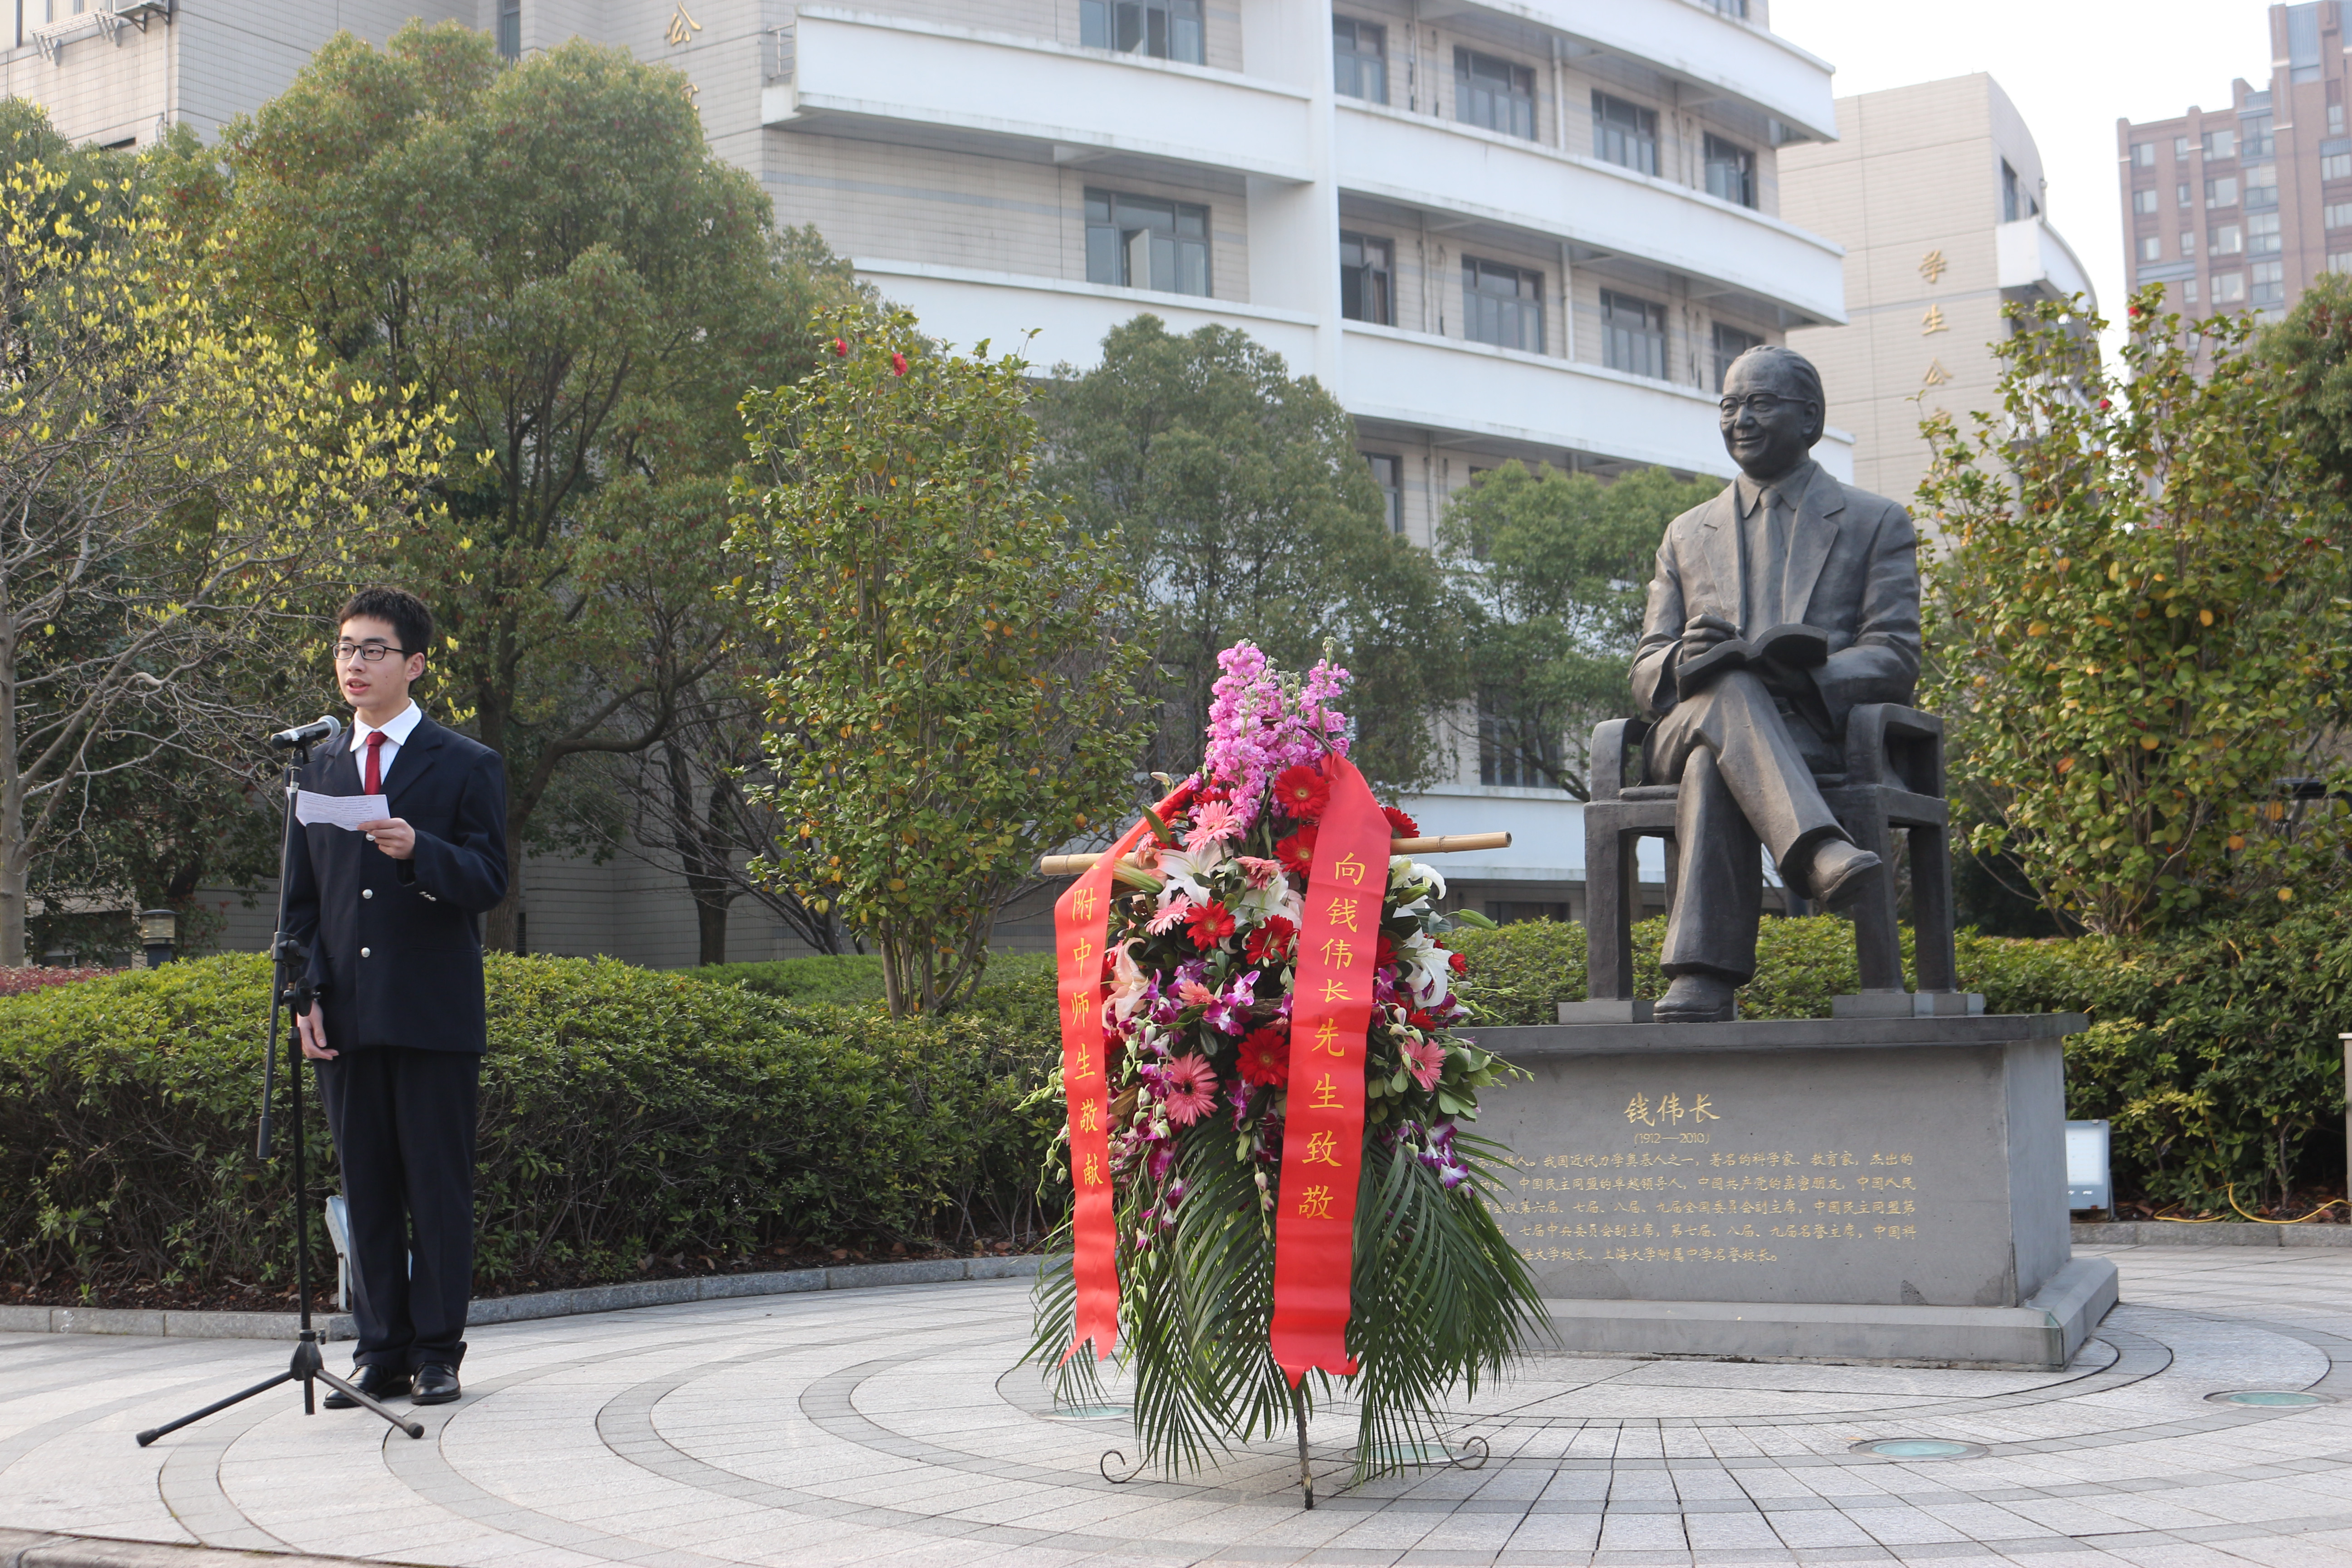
{"x": 306, "y": 1365}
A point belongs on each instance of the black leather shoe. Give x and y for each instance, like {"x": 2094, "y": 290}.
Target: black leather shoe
{"x": 1840, "y": 873}
{"x": 376, "y": 1381}
{"x": 436, "y": 1384}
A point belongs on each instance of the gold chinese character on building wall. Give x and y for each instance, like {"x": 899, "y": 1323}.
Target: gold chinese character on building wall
{"x": 1931, "y": 266}
{"x": 682, "y": 26}
{"x": 1937, "y": 374}
{"x": 1933, "y": 321}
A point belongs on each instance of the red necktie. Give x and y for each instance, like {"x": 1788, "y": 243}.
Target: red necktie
{"x": 375, "y": 756}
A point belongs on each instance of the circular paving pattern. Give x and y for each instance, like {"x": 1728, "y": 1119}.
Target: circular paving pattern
{"x": 896, "y": 1426}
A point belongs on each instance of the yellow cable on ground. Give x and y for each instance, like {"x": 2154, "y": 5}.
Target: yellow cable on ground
{"x": 2232, "y": 1190}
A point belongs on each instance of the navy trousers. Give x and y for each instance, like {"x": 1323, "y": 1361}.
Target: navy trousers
{"x": 403, "y": 1123}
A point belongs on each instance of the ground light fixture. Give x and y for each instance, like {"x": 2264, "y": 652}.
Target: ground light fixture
{"x": 1917, "y": 1448}
{"x": 159, "y": 933}
{"x": 2269, "y": 1398}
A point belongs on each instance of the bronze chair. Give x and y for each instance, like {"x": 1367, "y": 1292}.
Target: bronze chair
{"x": 1893, "y": 779}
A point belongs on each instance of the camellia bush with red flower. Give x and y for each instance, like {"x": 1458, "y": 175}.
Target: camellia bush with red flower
{"x": 1202, "y": 949}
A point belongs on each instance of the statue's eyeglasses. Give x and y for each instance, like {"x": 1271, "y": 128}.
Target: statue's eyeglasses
{"x": 371, "y": 652}
{"x": 1763, "y": 405}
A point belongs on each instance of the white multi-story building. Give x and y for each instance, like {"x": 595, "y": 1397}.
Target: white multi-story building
{"x": 1494, "y": 229}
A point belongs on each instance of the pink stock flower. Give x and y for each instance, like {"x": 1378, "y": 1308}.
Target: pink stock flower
{"x": 1213, "y": 823}
{"x": 1426, "y": 1060}
{"x": 1188, "y": 1088}
{"x": 1261, "y": 722}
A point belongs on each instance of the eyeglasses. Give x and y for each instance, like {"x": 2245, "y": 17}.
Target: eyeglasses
{"x": 371, "y": 652}
{"x": 1763, "y": 405}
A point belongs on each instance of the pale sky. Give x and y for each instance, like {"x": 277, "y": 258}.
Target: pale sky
{"x": 2072, "y": 66}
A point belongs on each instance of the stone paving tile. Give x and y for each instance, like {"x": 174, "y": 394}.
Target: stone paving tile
{"x": 890, "y": 1428}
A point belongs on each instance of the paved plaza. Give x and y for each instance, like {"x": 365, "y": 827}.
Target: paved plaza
{"x": 892, "y": 1426}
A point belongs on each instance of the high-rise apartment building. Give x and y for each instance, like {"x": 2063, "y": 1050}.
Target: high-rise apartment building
{"x": 1494, "y": 229}
{"x": 1936, "y": 192}
{"x": 2239, "y": 208}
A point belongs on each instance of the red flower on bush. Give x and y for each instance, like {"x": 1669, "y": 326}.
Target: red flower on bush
{"x": 1457, "y": 962}
{"x": 840, "y": 348}
{"x": 898, "y": 365}
{"x": 1400, "y": 825}
{"x": 1297, "y": 852}
{"x": 1266, "y": 1056}
{"x": 1270, "y": 943}
{"x": 1302, "y": 793}
{"x": 1209, "y": 924}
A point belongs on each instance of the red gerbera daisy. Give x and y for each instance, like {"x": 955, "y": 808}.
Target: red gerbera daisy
{"x": 1400, "y": 825}
{"x": 1384, "y": 955}
{"x": 1270, "y": 941}
{"x": 1266, "y": 1056}
{"x": 1210, "y": 923}
{"x": 1297, "y": 852}
{"x": 1302, "y": 793}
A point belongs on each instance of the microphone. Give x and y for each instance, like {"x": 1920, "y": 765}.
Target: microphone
{"x": 320, "y": 731}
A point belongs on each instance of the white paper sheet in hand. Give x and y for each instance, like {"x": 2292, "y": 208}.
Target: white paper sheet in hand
{"x": 345, "y": 810}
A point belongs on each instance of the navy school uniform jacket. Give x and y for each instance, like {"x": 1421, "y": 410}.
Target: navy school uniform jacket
{"x": 395, "y": 948}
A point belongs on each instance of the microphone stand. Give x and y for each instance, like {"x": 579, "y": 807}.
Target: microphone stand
{"x": 286, "y": 989}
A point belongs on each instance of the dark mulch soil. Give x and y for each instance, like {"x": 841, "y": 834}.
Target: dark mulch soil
{"x": 235, "y": 1296}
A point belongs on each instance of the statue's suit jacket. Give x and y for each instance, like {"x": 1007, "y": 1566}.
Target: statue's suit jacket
{"x": 1854, "y": 573}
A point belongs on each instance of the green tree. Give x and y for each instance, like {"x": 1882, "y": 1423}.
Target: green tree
{"x": 1551, "y": 569}
{"x": 2311, "y": 351}
{"x": 171, "y": 479}
{"x": 2130, "y": 626}
{"x": 550, "y": 249}
{"x": 953, "y": 697}
{"x": 1245, "y": 511}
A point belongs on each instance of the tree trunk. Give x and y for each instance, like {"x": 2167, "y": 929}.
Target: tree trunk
{"x": 502, "y": 927}
{"x": 711, "y": 923}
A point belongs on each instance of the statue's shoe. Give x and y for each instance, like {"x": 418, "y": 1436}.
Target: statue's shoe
{"x": 1841, "y": 872}
{"x": 1697, "y": 999}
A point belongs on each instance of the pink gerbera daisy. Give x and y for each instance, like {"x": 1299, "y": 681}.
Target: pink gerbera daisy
{"x": 1213, "y": 823}
{"x": 1188, "y": 1088}
{"x": 1172, "y": 917}
{"x": 1426, "y": 1060}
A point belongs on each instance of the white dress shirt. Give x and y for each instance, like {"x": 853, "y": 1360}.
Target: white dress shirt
{"x": 398, "y": 728}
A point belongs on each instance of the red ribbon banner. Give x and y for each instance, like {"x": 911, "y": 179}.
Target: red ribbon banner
{"x": 1323, "y": 1135}
{"x": 1081, "y": 920}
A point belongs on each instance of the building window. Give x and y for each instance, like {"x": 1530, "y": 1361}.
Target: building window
{"x": 1366, "y": 272}
{"x": 1144, "y": 242}
{"x": 1730, "y": 342}
{"x": 2012, "y": 206}
{"x": 2261, "y": 185}
{"x": 1633, "y": 335}
{"x": 2143, "y": 155}
{"x": 2181, "y": 192}
{"x": 2224, "y": 239}
{"x": 2270, "y": 284}
{"x": 1730, "y": 172}
{"x": 2151, "y": 247}
{"x": 1625, "y": 133}
{"x": 2222, "y": 193}
{"x": 2144, "y": 200}
{"x": 2339, "y": 215}
{"x": 2188, "y": 292}
{"x": 2335, "y": 119}
{"x": 1359, "y": 60}
{"x": 2335, "y": 166}
{"x": 1734, "y": 9}
{"x": 2188, "y": 243}
{"x": 1502, "y": 305}
{"x": 1164, "y": 29}
{"x": 2263, "y": 233}
{"x": 2220, "y": 143}
{"x": 1508, "y": 756}
{"x": 1388, "y": 472}
{"x": 2340, "y": 261}
{"x": 2256, "y": 130}
{"x": 1494, "y": 93}
{"x": 510, "y": 29}
{"x": 2228, "y": 288}
{"x": 2179, "y": 148}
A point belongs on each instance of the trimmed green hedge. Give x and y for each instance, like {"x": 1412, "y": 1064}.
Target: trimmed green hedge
{"x": 1017, "y": 990}
{"x": 624, "y": 1112}
{"x": 2213, "y": 1052}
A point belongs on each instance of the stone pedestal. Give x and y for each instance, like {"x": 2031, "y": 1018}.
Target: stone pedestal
{"x": 1884, "y": 1189}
